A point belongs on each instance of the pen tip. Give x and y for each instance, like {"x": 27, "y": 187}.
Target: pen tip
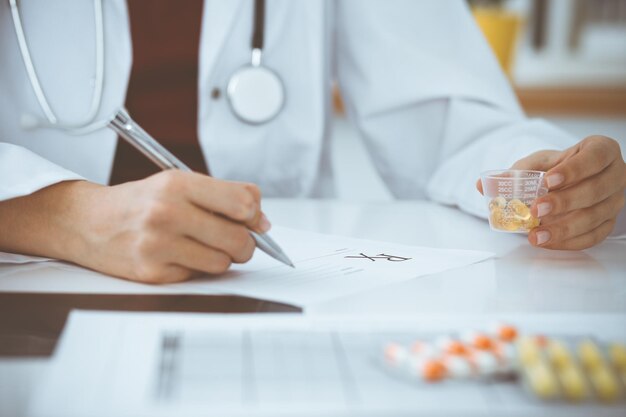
{"x": 285, "y": 259}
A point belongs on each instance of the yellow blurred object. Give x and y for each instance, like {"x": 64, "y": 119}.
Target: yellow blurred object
{"x": 573, "y": 383}
{"x": 605, "y": 384}
{"x": 501, "y": 28}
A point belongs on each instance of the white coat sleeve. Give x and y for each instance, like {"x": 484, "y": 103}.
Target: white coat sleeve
{"x": 23, "y": 172}
{"x": 429, "y": 99}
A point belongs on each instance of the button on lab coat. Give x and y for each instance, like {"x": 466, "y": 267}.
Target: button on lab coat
{"x": 417, "y": 78}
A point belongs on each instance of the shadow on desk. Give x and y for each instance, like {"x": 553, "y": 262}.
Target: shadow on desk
{"x": 31, "y": 323}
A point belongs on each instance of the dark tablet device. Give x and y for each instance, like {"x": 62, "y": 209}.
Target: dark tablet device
{"x": 31, "y": 323}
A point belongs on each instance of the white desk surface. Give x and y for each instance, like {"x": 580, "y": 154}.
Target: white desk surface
{"x": 519, "y": 279}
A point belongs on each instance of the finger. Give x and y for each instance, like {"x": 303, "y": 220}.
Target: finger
{"x": 538, "y": 161}
{"x": 237, "y": 201}
{"x": 234, "y": 200}
{"x": 260, "y": 223}
{"x": 586, "y": 240}
{"x": 557, "y": 229}
{"x": 584, "y": 194}
{"x": 188, "y": 253}
{"x": 593, "y": 155}
{"x": 218, "y": 233}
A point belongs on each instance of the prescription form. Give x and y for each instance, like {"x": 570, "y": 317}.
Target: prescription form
{"x": 329, "y": 266}
{"x": 129, "y": 364}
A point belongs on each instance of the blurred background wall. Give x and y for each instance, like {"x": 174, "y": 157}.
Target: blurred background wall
{"x": 566, "y": 60}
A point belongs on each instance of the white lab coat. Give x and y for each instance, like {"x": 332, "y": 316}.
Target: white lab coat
{"x": 418, "y": 80}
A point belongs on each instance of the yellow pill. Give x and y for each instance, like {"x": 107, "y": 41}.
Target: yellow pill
{"x": 604, "y": 383}
{"x": 497, "y": 202}
{"x": 520, "y": 210}
{"x": 496, "y": 215}
{"x": 504, "y": 220}
{"x": 542, "y": 381}
{"x": 528, "y": 351}
{"x": 617, "y": 354}
{"x": 559, "y": 354}
{"x": 511, "y": 225}
{"x": 531, "y": 223}
{"x": 499, "y": 220}
{"x": 573, "y": 383}
{"x": 590, "y": 355}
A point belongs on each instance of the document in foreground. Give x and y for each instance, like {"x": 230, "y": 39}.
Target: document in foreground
{"x": 328, "y": 267}
{"x": 138, "y": 364}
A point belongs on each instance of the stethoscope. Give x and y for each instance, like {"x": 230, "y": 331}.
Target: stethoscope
{"x": 255, "y": 93}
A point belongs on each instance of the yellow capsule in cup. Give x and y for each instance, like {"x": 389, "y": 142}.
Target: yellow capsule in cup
{"x": 510, "y": 223}
{"x": 531, "y": 223}
{"x": 519, "y": 209}
{"x": 497, "y": 202}
{"x": 496, "y": 216}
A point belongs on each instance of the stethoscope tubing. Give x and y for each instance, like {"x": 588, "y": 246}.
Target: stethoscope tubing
{"x": 88, "y": 123}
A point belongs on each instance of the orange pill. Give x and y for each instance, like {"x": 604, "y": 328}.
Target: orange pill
{"x": 433, "y": 370}
{"x": 482, "y": 342}
{"x": 507, "y": 333}
{"x": 456, "y": 348}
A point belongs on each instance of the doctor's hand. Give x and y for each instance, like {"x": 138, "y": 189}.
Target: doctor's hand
{"x": 159, "y": 229}
{"x": 165, "y": 227}
{"x": 586, "y": 193}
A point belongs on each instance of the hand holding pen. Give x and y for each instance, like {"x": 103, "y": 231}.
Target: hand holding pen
{"x": 230, "y": 221}
{"x": 161, "y": 229}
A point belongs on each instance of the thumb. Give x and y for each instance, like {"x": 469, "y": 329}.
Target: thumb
{"x": 479, "y": 186}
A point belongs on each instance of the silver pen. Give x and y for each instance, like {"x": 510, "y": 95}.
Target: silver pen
{"x": 132, "y": 133}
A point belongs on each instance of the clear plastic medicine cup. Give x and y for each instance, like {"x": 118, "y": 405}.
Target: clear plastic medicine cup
{"x": 509, "y": 194}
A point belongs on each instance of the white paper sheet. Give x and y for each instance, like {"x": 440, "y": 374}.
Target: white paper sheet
{"x": 330, "y": 266}
{"x": 134, "y": 364}
{"x": 327, "y": 267}
{"x": 14, "y": 258}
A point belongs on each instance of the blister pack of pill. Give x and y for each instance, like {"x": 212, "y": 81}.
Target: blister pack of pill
{"x": 471, "y": 354}
{"x": 573, "y": 369}
{"x": 549, "y": 368}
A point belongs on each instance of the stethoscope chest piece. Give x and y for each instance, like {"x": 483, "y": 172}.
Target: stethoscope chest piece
{"x": 256, "y": 94}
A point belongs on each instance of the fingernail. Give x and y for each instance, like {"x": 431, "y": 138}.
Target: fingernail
{"x": 543, "y": 209}
{"x": 264, "y": 224}
{"x": 554, "y": 179}
{"x": 542, "y": 237}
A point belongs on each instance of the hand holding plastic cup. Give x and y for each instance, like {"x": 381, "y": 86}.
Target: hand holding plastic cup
{"x": 509, "y": 194}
